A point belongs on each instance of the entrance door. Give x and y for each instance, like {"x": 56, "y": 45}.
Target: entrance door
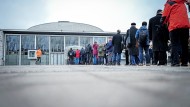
{"x": 57, "y": 58}
{"x": 57, "y": 50}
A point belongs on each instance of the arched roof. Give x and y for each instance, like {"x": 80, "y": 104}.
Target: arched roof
{"x": 65, "y": 26}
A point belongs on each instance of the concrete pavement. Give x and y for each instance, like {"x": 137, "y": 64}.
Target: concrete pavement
{"x": 94, "y": 86}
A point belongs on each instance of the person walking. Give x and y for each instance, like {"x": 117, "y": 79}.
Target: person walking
{"x": 38, "y": 54}
{"x": 131, "y": 44}
{"x": 159, "y": 36}
{"x": 117, "y": 45}
{"x": 175, "y": 15}
{"x": 142, "y": 39}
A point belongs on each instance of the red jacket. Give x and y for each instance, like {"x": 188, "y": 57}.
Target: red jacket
{"x": 175, "y": 12}
{"x": 77, "y": 54}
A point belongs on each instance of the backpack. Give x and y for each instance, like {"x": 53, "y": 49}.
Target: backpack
{"x": 82, "y": 52}
{"x": 71, "y": 53}
{"x": 100, "y": 49}
{"x": 88, "y": 48}
{"x": 143, "y": 33}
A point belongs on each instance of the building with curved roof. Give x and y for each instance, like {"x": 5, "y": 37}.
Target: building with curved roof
{"x": 17, "y": 47}
{"x": 65, "y": 26}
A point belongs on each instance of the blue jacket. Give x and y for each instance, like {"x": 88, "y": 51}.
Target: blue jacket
{"x": 109, "y": 47}
{"x": 137, "y": 34}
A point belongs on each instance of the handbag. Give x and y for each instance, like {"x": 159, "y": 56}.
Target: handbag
{"x": 128, "y": 41}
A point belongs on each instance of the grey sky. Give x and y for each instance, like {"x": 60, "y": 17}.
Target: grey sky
{"x": 108, "y": 15}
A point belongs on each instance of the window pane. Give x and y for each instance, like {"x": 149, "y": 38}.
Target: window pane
{"x": 100, "y": 40}
{"x": 57, "y": 44}
{"x": 85, "y": 41}
{"x": 12, "y": 50}
{"x": 71, "y": 40}
{"x": 27, "y": 43}
{"x": 42, "y": 42}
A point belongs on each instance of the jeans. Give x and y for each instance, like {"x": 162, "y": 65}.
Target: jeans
{"x": 94, "y": 59}
{"x": 141, "y": 55}
{"x": 77, "y": 61}
{"x": 101, "y": 60}
{"x": 117, "y": 57}
{"x": 133, "y": 61}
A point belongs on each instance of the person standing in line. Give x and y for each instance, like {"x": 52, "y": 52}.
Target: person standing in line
{"x": 142, "y": 39}
{"x": 95, "y": 53}
{"x": 101, "y": 51}
{"x": 159, "y": 36}
{"x": 117, "y": 45}
{"x": 38, "y": 54}
{"x": 77, "y": 56}
{"x": 130, "y": 41}
{"x": 189, "y": 50}
{"x": 82, "y": 56}
{"x": 175, "y": 15}
{"x": 88, "y": 52}
{"x": 109, "y": 51}
{"x": 71, "y": 56}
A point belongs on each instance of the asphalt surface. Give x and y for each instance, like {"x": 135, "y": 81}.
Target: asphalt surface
{"x": 94, "y": 86}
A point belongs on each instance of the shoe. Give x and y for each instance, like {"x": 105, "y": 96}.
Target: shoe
{"x": 175, "y": 65}
{"x": 140, "y": 64}
{"x": 184, "y": 65}
{"x": 147, "y": 64}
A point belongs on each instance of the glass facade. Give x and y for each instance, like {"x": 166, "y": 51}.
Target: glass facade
{"x": 53, "y": 47}
{"x": 100, "y": 40}
{"x": 57, "y": 44}
{"x": 42, "y": 42}
{"x": 85, "y": 41}
{"x": 12, "y": 48}
{"x": 27, "y": 43}
{"x": 71, "y": 40}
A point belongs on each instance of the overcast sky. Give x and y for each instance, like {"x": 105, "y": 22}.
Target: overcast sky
{"x": 109, "y": 15}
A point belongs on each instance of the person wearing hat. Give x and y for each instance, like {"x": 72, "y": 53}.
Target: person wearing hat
{"x": 130, "y": 42}
{"x": 159, "y": 35}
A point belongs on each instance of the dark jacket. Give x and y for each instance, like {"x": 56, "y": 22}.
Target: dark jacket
{"x": 158, "y": 33}
{"x": 116, "y": 41}
{"x": 133, "y": 50}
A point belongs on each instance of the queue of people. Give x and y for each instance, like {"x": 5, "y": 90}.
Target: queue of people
{"x": 168, "y": 26}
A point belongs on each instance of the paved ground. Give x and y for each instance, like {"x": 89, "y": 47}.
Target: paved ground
{"x": 94, "y": 86}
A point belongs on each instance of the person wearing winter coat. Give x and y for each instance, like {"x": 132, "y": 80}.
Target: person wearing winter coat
{"x": 77, "y": 56}
{"x": 71, "y": 55}
{"x": 101, "y": 51}
{"x": 109, "y": 51}
{"x": 133, "y": 50}
{"x": 117, "y": 45}
{"x": 175, "y": 15}
{"x": 159, "y": 35}
{"x": 95, "y": 52}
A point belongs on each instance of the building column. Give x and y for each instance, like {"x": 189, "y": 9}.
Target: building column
{"x": 1, "y": 48}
